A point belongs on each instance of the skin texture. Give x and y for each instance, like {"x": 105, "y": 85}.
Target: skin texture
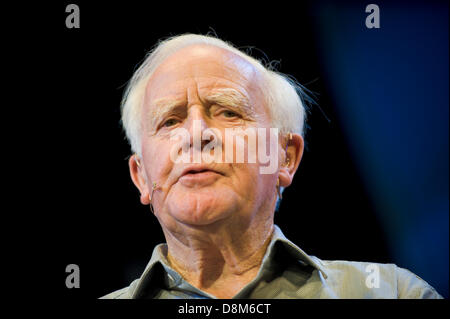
{"x": 217, "y": 229}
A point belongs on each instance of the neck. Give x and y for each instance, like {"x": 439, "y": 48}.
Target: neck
{"x": 221, "y": 258}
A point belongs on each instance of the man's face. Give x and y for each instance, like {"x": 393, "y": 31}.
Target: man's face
{"x": 206, "y": 87}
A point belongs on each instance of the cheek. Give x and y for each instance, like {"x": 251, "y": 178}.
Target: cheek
{"x": 157, "y": 159}
{"x": 253, "y": 184}
{"x": 258, "y": 190}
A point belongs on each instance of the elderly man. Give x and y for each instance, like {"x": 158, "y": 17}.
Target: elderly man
{"x": 217, "y": 215}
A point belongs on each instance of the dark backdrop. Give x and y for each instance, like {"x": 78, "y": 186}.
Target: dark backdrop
{"x": 90, "y": 212}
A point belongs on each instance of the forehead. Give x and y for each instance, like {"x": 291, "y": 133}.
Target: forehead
{"x": 203, "y": 67}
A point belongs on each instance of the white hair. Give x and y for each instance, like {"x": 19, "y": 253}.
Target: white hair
{"x": 284, "y": 96}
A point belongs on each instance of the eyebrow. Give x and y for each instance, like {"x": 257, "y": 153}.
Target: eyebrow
{"x": 225, "y": 97}
{"x": 228, "y": 97}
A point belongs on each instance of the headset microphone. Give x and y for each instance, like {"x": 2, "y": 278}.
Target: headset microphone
{"x": 154, "y": 186}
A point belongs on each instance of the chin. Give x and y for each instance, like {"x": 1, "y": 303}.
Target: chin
{"x": 200, "y": 212}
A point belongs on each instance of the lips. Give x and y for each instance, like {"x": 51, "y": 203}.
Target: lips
{"x": 195, "y": 176}
{"x": 197, "y": 170}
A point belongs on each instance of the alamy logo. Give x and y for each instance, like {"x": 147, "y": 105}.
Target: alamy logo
{"x": 73, "y": 19}
{"x": 373, "y": 279}
{"x": 373, "y": 19}
{"x": 73, "y": 279}
{"x": 262, "y": 146}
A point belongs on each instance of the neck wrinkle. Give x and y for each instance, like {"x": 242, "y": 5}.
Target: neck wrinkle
{"x": 215, "y": 262}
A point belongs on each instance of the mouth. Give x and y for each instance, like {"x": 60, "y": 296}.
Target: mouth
{"x": 197, "y": 171}
{"x": 194, "y": 170}
{"x": 199, "y": 175}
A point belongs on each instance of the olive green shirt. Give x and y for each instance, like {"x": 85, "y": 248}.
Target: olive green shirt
{"x": 286, "y": 272}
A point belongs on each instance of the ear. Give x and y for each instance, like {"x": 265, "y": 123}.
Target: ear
{"x": 139, "y": 179}
{"x": 292, "y": 157}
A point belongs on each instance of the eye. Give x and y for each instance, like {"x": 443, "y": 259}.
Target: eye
{"x": 170, "y": 122}
{"x": 230, "y": 114}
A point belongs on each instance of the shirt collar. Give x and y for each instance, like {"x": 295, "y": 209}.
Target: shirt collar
{"x": 294, "y": 251}
{"x": 172, "y": 278}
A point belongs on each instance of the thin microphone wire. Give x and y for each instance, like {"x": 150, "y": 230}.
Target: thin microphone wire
{"x": 154, "y": 186}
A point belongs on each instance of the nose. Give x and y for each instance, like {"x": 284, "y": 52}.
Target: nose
{"x": 197, "y": 122}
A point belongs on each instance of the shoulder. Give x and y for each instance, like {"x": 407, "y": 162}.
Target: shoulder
{"x": 411, "y": 286}
{"x": 124, "y": 293}
{"x": 351, "y": 279}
